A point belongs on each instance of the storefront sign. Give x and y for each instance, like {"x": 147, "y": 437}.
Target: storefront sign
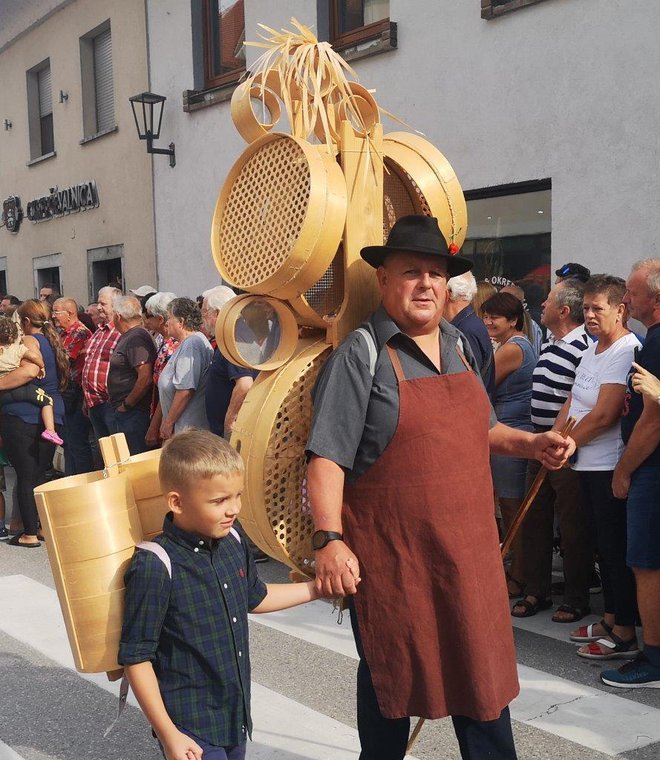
{"x": 61, "y": 202}
{"x": 12, "y": 213}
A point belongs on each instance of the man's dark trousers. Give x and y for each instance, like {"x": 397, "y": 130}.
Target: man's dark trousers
{"x": 386, "y": 738}
{"x": 77, "y": 451}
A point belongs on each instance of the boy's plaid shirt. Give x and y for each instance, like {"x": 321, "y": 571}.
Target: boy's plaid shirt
{"x": 97, "y": 364}
{"x": 194, "y": 629}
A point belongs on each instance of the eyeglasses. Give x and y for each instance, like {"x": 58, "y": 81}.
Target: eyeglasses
{"x": 59, "y": 311}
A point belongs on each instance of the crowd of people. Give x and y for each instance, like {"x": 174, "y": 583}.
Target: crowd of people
{"x": 144, "y": 363}
{"x": 585, "y": 367}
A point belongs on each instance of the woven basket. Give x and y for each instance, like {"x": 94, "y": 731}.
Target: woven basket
{"x": 271, "y": 434}
{"x": 279, "y": 217}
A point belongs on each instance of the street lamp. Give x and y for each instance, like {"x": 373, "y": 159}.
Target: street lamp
{"x": 144, "y": 121}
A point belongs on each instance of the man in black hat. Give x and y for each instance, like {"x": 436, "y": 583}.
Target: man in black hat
{"x": 406, "y": 502}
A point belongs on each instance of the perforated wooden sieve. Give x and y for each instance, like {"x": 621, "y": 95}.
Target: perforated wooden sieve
{"x": 279, "y": 217}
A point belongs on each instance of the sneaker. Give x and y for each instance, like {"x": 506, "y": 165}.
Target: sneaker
{"x": 52, "y": 437}
{"x": 4, "y": 534}
{"x": 638, "y": 674}
{"x": 595, "y": 586}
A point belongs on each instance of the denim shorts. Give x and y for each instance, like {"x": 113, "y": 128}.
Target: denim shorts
{"x": 644, "y": 518}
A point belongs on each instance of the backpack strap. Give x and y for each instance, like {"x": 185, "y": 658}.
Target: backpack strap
{"x": 164, "y": 557}
{"x": 236, "y": 535}
{"x": 371, "y": 348}
{"x": 157, "y": 549}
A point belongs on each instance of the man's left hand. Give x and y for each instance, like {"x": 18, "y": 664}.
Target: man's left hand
{"x": 552, "y": 450}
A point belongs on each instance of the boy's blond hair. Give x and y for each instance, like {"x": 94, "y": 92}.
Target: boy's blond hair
{"x": 195, "y": 454}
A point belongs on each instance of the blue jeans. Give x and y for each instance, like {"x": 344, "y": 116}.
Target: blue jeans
{"x": 103, "y": 420}
{"x": 386, "y": 738}
{"x": 134, "y": 425}
{"x": 77, "y": 452}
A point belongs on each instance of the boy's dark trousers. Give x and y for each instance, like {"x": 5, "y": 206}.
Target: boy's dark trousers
{"x": 386, "y": 738}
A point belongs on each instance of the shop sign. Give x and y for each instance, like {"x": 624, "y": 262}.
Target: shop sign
{"x": 12, "y": 213}
{"x": 61, "y": 202}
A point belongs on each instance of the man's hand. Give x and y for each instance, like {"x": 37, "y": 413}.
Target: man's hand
{"x": 181, "y": 747}
{"x": 337, "y": 570}
{"x": 166, "y": 429}
{"x": 552, "y": 450}
{"x": 620, "y": 483}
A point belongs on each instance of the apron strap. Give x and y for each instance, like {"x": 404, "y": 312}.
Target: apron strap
{"x": 462, "y": 357}
{"x": 396, "y": 363}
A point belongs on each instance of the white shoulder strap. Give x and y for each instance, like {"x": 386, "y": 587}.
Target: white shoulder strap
{"x": 157, "y": 549}
{"x": 371, "y": 347}
{"x": 235, "y": 534}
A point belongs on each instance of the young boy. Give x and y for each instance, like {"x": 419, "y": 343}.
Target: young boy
{"x": 12, "y": 352}
{"x": 184, "y": 641}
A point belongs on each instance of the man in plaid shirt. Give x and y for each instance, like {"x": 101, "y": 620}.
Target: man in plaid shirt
{"x": 97, "y": 364}
{"x": 77, "y": 452}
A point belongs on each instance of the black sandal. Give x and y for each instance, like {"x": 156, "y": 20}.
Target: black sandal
{"x": 531, "y": 608}
{"x": 576, "y": 613}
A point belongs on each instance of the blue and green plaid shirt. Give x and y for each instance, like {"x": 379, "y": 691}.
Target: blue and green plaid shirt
{"x": 193, "y": 628}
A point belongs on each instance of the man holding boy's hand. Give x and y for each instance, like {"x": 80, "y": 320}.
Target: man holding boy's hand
{"x": 399, "y": 480}
{"x": 184, "y": 642}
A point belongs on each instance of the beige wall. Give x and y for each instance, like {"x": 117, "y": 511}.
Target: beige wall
{"x": 117, "y": 161}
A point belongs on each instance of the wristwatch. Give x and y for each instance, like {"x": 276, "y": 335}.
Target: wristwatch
{"x": 322, "y": 538}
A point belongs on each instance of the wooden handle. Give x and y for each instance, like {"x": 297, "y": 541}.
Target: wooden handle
{"x": 531, "y": 495}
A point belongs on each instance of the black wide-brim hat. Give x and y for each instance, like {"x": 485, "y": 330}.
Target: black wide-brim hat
{"x": 418, "y": 234}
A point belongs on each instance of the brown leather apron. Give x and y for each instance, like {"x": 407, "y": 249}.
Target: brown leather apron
{"x": 432, "y": 607}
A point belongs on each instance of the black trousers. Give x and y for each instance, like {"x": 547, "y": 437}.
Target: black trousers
{"x": 386, "y": 738}
{"x": 30, "y": 456}
{"x": 607, "y": 519}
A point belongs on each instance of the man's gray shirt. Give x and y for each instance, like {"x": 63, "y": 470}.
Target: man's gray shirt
{"x": 356, "y": 415}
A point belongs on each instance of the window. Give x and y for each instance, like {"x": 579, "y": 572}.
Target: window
{"x": 105, "y": 267}
{"x": 224, "y": 34}
{"x": 494, "y": 8}
{"x": 353, "y": 21}
{"x": 97, "y": 81}
{"x": 40, "y": 110}
{"x": 47, "y": 269}
{"x": 509, "y": 237}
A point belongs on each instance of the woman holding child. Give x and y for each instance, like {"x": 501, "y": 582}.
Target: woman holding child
{"x": 29, "y": 452}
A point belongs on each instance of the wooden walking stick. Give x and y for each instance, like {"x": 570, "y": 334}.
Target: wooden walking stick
{"x": 508, "y": 540}
{"x": 531, "y": 495}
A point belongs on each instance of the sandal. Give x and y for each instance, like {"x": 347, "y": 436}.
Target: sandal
{"x": 574, "y": 613}
{"x": 531, "y": 608}
{"x": 585, "y": 633}
{"x": 615, "y": 649}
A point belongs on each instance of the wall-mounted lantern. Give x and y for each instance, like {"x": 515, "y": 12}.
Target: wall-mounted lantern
{"x": 143, "y": 106}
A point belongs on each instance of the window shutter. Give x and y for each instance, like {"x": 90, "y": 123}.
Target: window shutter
{"x": 105, "y": 96}
{"x": 45, "y": 94}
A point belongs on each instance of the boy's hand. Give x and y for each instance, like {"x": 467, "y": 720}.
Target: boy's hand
{"x": 182, "y": 747}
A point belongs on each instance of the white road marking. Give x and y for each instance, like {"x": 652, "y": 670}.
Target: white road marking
{"x": 7, "y": 753}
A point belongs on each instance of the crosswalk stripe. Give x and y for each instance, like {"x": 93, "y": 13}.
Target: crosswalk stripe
{"x": 593, "y": 718}
{"x": 7, "y": 753}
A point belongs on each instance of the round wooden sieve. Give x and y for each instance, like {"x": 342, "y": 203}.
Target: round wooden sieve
{"x": 279, "y": 217}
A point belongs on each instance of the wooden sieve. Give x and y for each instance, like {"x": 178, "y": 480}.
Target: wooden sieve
{"x": 420, "y": 180}
{"x": 279, "y": 217}
{"x": 271, "y": 434}
{"x": 243, "y": 322}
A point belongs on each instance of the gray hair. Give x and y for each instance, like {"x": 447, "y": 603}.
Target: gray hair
{"x": 112, "y": 292}
{"x": 217, "y": 297}
{"x": 653, "y": 275}
{"x": 571, "y": 293}
{"x": 128, "y": 307}
{"x": 463, "y": 287}
{"x": 157, "y": 303}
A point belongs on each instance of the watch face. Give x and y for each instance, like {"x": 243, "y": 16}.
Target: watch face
{"x": 318, "y": 539}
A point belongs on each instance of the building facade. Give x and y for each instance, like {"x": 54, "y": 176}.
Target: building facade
{"x": 75, "y": 182}
{"x": 545, "y": 109}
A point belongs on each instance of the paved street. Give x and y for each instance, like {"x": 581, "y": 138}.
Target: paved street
{"x": 303, "y": 675}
